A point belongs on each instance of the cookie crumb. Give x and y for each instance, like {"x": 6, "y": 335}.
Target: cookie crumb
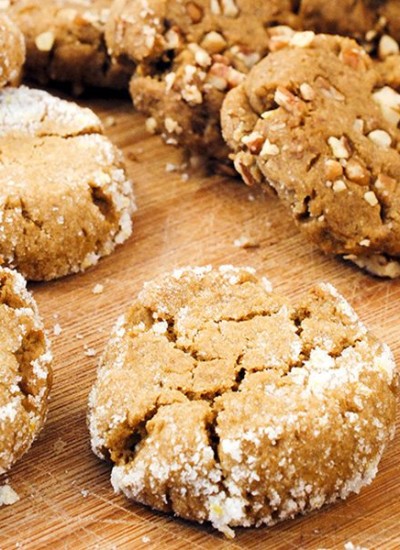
{"x": 245, "y": 242}
{"x": 57, "y": 330}
{"x": 90, "y": 352}
{"x": 84, "y": 493}
{"x": 350, "y": 546}
{"x": 146, "y": 539}
{"x": 98, "y": 289}
{"x": 79, "y": 336}
{"x": 59, "y": 446}
{"x": 8, "y": 496}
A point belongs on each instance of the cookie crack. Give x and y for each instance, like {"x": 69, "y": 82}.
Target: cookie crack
{"x": 31, "y": 349}
{"x": 102, "y": 202}
{"x": 8, "y": 296}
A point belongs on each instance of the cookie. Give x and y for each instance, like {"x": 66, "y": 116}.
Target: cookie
{"x": 65, "y": 199}
{"x": 187, "y": 55}
{"x": 12, "y": 51}
{"x": 65, "y": 42}
{"x": 366, "y": 20}
{"x": 25, "y": 369}
{"x": 219, "y": 400}
{"x": 317, "y": 121}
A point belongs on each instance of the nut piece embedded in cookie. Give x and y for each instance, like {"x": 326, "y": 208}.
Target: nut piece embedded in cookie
{"x": 187, "y": 56}
{"x": 25, "y": 369}
{"x": 328, "y": 142}
{"x": 219, "y": 400}
{"x": 65, "y": 42}
{"x": 65, "y": 199}
{"x": 12, "y": 51}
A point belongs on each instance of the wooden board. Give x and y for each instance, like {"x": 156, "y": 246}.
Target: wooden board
{"x": 66, "y": 500}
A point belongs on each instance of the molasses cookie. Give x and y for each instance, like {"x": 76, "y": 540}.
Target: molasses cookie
{"x": 221, "y": 401}
{"x": 318, "y": 122}
{"x": 65, "y": 199}
{"x": 187, "y": 56}
{"x": 25, "y": 369}
{"x": 65, "y": 42}
{"x": 12, "y": 51}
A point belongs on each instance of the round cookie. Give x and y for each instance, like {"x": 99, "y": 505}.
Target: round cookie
{"x": 219, "y": 400}
{"x": 317, "y": 121}
{"x": 65, "y": 42}
{"x": 25, "y": 370}
{"x": 65, "y": 199}
{"x": 12, "y": 51}
{"x": 187, "y": 56}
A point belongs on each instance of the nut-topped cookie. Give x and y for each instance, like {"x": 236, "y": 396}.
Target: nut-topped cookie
{"x": 12, "y": 51}
{"x": 369, "y": 21}
{"x": 65, "y": 198}
{"x": 25, "y": 369}
{"x": 65, "y": 42}
{"x": 317, "y": 121}
{"x": 220, "y": 400}
{"x": 187, "y": 56}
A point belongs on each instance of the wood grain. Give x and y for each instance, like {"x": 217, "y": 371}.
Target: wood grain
{"x": 66, "y": 500}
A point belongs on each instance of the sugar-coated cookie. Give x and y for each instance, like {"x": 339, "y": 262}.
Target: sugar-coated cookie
{"x": 65, "y": 199}
{"x": 25, "y": 370}
{"x": 221, "y": 401}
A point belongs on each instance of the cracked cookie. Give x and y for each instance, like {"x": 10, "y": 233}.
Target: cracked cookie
{"x": 317, "y": 121}
{"x": 65, "y": 42}
{"x": 65, "y": 199}
{"x": 12, "y": 51}
{"x": 188, "y": 55}
{"x": 219, "y": 400}
{"x": 25, "y": 369}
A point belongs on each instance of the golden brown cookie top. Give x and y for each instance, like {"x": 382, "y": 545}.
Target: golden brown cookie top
{"x": 214, "y": 393}
{"x": 12, "y": 51}
{"x": 25, "y": 369}
{"x": 317, "y": 121}
{"x": 143, "y": 31}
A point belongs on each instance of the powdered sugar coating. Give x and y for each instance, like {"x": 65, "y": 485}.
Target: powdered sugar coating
{"x": 221, "y": 401}
{"x": 25, "y": 111}
{"x": 25, "y": 369}
{"x": 54, "y": 149}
